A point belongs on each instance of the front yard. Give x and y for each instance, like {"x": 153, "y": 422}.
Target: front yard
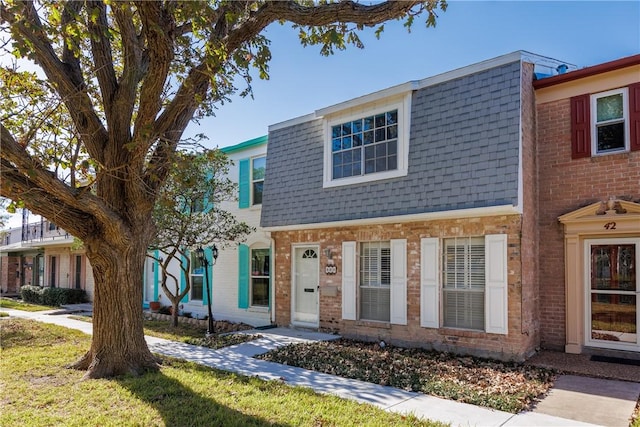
{"x": 37, "y": 391}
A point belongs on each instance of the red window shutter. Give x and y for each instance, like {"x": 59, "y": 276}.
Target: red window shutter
{"x": 580, "y": 127}
{"x": 634, "y": 116}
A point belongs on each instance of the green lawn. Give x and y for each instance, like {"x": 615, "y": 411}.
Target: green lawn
{"x": 37, "y": 391}
{"x": 19, "y": 305}
{"x": 187, "y": 333}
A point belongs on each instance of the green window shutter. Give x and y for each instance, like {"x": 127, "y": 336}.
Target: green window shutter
{"x": 183, "y": 278}
{"x": 244, "y": 184}
{"x": 243, "y": 276}
{"x": 209, "y": 275}
{"x": 156, "y": 276}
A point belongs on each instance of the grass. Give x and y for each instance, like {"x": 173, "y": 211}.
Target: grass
{"x": 37, "y": 391}
{"x": 19, "y": 305}
{"x": 504, "y": 386}
{"x": 188, "y": 333}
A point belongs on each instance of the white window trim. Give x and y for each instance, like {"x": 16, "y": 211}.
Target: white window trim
{"x": 625, "y": 115}
{"x": 251, "y": 180}
{"x": 251, "y": 277}
{"x": 191, "y": 276}
{"x": 404, "y": 123}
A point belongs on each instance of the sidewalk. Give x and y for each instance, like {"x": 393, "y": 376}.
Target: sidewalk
{"x": 564, "y": 406}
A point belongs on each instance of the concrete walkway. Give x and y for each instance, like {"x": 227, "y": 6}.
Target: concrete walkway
{"x": 574, "y": 401}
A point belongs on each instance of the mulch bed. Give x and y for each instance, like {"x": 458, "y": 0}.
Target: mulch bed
{"x": 504, "y": 386}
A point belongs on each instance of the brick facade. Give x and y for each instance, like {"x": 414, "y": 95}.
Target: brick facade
{"x": 520, "y": 341}
{"x": 564, "y": 186}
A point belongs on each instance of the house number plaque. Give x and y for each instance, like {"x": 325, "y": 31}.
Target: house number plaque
{"x": 610, "y": 225}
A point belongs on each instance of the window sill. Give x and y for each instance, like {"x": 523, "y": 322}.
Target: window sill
{"x": 373, "y": 324}
{"x": 364, "y": 178}
{"x": 256, "y": 309}
{"x": 459, "y": 332}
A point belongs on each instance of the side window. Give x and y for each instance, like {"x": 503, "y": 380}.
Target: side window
{"x": 258, "y": 166}
{"x": 197, "y": 272}
{"x": 260, "y": 277}
{"x": 609, "y": 118}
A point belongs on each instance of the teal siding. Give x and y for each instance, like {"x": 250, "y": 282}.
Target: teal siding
{"x": 244, "y": 183}
{"x": 243, "y": 276}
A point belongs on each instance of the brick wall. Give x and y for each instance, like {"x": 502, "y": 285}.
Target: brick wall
{"x": 9, "y": 279}
{"x": 529, "y": 250}
{"x": 521, "y": 338}
{"x": 564, "y": 186}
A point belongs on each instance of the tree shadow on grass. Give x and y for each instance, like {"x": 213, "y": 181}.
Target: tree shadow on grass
{"x": 179, "y": 405}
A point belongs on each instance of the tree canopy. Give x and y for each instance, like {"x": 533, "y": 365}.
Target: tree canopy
{"x": 89, "y": 142}
{"x": 190, "y": 214}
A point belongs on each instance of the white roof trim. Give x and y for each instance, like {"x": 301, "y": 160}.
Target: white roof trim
{"x": 427, "y": 216}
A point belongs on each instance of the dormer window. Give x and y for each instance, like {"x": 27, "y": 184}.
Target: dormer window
{"x": 367, "y": 144}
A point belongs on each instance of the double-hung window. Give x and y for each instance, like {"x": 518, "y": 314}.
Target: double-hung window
{"x": 605, "y": 122}
{"x": 196, "y": 273}
{"x": 463, "y": 284}
{"x": 258, "y": 166}
{"x": 260, "y": 277}
{"x": 609, "y": 118}
{"x": 375, "y": 281}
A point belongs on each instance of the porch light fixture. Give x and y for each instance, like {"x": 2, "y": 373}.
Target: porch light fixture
{"x": 203, "y": 259}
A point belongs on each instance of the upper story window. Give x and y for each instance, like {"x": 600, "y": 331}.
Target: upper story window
{"x": 610, "y": 132}
{"x": 367, "y": 144}
{"x": 605, "y": 122}
{"x": 258, "y": 166}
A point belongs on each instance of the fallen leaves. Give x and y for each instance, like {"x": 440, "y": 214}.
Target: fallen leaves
{"x": 500, "y": 385}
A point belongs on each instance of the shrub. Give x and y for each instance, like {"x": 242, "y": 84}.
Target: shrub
{"x": 32, "y": 294}
{"x": 52, "y": 296}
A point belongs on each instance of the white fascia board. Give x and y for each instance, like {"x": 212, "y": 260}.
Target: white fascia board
{"x": 292, "y": 122}
{"x": 366, "y": 99}
{"x": 401, "y": 219}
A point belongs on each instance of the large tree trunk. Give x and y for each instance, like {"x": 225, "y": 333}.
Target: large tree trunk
{"x": 118, "y": 346}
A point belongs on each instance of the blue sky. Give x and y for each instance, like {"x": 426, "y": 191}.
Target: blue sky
{"x": 582, "y": 33}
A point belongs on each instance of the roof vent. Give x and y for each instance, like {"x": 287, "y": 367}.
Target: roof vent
{"x": 561, "y": 69}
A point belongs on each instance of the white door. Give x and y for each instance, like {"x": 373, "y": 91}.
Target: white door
{"x": 305, "y": 286}
{"x": 613, "y": 286}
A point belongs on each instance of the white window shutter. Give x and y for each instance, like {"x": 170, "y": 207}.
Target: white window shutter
{"x": 349, "y": 281}
{"x": 399, "y": 281}
{"x": 430, "y": 282}
{"x": 496, "y": 289}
